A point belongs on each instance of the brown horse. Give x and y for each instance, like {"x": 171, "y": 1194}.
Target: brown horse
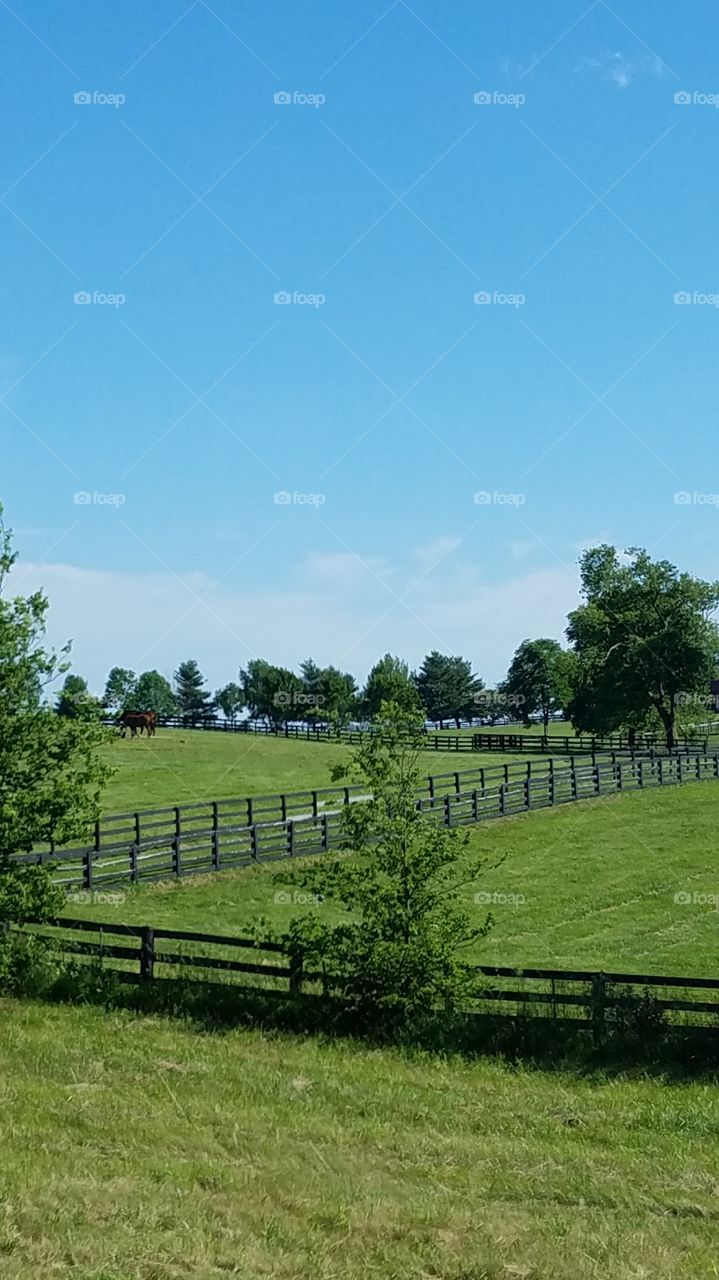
{"x": 136, "y": 721}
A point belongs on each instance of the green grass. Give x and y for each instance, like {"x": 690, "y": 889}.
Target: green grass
{"x": 184, "y": 766}
{"x": 139, "y": 1149}
{"x": 594, "y": 887}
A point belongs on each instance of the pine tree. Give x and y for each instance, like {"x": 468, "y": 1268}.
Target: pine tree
{"x": 193, "y": 700}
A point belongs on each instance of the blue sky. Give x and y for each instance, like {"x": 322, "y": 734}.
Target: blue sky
{"x": 182, "y": 198}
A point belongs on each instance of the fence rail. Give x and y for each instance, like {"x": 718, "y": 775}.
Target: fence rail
{"x": 460, "y": 742}
{"x": 201, "y": 842}
{"x": 591, "y": 999}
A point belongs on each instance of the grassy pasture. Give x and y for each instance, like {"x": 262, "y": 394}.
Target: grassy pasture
{"x": 183, "y": 766}
{"x": 594, "y": 886}
{"x": 139, "y": 1149}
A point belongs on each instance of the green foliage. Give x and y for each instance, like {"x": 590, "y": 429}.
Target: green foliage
{"x": 271, "y": 693}
{"x": 644, "y": 640}
{"x": 51, "y": 774}
{"x": 447, "y": 688}
{"x": 539, "y": 679}
{"x": 331, "y": 694}
{"x": 230, "y": 701}
{"x": 76, "y": 702}
{"x": 397, "y": 952}
{"x": 389, "y": 681}
{"x": 152, "y": 693}
{"x": 119, "y": 688}
{"x": 194, "y": 701}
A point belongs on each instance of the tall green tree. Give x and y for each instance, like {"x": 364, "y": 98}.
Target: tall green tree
{"x": 448, "y": 688}
{"x": 51, "y": 774}
{"x": 539, "y": 679}
{"x": 230, "y": 701}
{"x": 273, "y": 694}
{"x": 152, "y": 693}
{"x": 644, "y": 640}
{"x": 76, "y": 701}
{"x": 194, "y": 701}
{"x": 331, "y": 694}
{"x": 389, "y": 681}
{"x": 119, "y": 688}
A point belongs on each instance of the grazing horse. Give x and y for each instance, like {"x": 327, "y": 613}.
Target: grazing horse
{"x": 136, "y": 721}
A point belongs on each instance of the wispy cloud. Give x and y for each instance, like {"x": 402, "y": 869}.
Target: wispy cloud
{"x": 620, "y": 68}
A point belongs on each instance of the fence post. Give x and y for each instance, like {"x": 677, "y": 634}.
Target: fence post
{"x": 598, "y": 999}
{"x": 679, "y": 767}
{"x": 661, "y": 772}
{"x": 620, "y": 776}
{"x": 296, "y": 973}
{"x": 447, "y": 811}
{"x": 147, "y": 953}
{"x": 291, "y": 838}
{"x": 325, "y": 834}
{"x": 502, "y": 798}
{"x": 551, "y": 780}
{"x": 457, "y": 784}
{"x": 528, "y": 791}
{"x": 475, "y": 807}
{"x": 215, "y": 836}
{"x": 315, "y": 807}
{"x": 573, "y": 777}
{"x": 176, "y": 855}
{"x": 87, "y": 869}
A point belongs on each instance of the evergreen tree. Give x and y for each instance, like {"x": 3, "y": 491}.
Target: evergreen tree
{"x": 194, "y": 701}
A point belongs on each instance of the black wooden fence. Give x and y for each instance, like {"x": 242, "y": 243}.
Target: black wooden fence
{"x": 183, "y": 822}
{"x": 582, "y": 998}
{"x": 521, "y": 743}
{"x": 190, "y": 847}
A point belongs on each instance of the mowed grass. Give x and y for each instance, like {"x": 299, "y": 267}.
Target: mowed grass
{"x": 185, "y": 766}
{"x": 589, "y": 885}
{"x": 139, "y": 1149}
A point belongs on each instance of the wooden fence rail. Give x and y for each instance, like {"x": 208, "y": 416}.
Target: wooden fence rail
{"x": 206, "y": 844}
{"x": 589, "y": 998}
{"x": 466, "y": 742}
{"x": 143, "y": 829}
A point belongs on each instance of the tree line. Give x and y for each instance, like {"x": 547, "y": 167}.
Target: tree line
{"x": 642, "y": 650}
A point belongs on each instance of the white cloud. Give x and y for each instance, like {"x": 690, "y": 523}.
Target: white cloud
{"x": 621, "y": 69}
{"x": 157, "y": 619}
